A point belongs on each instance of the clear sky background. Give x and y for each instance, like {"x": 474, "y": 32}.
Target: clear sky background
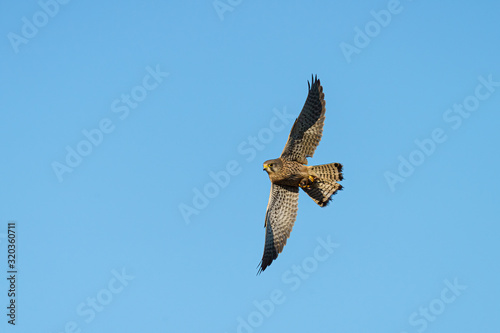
{"x": 116, "y": 118}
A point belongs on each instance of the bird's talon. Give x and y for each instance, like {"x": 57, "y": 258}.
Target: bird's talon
{"x": 306, "y": 183}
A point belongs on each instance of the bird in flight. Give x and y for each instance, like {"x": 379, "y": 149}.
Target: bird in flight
{"x": 290, "y": 171}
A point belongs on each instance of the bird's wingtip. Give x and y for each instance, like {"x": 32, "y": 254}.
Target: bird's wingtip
{"x": 261, "y": 267}
{"x": 314, "y": 81}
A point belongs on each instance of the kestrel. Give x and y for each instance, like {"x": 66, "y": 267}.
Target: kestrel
{"x": 289, "y": 172}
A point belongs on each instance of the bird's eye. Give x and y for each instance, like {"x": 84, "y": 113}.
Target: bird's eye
{"x": 271, "y": 165}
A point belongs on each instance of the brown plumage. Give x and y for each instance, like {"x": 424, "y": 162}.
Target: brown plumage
{"x": 290, "y": 171}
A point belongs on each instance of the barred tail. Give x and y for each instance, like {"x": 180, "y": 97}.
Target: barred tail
{"x": 332, "y": 171}
{"x": 325, "y": 185}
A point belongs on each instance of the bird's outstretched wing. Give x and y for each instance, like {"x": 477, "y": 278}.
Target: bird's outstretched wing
{"x": 280, "y": 216}
{"x": 308, "y": 127}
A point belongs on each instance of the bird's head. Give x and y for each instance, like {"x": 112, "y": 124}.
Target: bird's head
{"x": 272, "y": 166}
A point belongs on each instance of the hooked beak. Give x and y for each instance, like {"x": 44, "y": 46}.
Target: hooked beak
{"x": 265, "y": 167}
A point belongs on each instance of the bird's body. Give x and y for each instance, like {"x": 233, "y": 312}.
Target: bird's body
{"x": 289, "y": 172}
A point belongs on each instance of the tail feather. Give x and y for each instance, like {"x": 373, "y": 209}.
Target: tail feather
{"x": 332, "y": 171}
{"x": 322, "y": 191}
{"x": 325, "y": 185}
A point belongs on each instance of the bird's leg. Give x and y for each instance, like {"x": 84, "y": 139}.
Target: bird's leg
{"x": 307, "y": 182}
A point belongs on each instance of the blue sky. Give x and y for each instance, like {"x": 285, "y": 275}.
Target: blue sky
{"x": 133, "y": 140}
